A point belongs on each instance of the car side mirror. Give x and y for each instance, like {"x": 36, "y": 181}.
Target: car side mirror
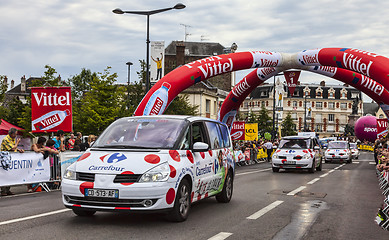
{"x": 200, "y": 147}
{"x": 316, "y": 148}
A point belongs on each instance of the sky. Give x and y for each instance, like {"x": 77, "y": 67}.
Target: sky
{"x": 75, "y": 34}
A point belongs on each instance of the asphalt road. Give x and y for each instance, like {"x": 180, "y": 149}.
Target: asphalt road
{"x": 340, "y": 202}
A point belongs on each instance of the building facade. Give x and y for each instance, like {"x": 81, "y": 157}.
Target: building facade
{"x": 320, "y": 108}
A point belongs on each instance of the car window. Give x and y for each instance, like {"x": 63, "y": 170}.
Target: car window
{"x": 198, "y": 133}
{"x": 214, "y": 135}
{"x": 337, "y": 145}
{"x": 295, "y": 143}
{"x": 185, "y": 143}
{"x": 225, "y": 136}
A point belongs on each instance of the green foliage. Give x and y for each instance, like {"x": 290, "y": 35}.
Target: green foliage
{"x": 16, "y": 107}
{"x": 349, "y": 130}
{"x": 252, "y": 117}
{"x": 3, "y": 87}
{"x": 288, "y": 127}
{"x": 181, "y": 106}
{"x": 80, "y": 84}
{"x": 265, "y": 122}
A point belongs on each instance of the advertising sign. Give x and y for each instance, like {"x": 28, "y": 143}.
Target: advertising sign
{"x": 238, "y": 131}
{"x": 51, "y": 109}
{"x": 382, "y": 125}
{"x": 291, "y": 80}
{"x": 251, "y": 131}
{"x": 157, "y": 65}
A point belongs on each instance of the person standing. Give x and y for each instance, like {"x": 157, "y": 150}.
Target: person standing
{"x": 71, "y": 142}
{"x": 159, "y": 66}
{"x": 59, "y": 141}
{"x": 10, "y": 144}
{"x": 269, "y": 149}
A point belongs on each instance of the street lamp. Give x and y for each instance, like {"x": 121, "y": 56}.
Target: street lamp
{"x": 274, "y": 106}
{"x": 148, "y": 13}
{"x": 128, "y": 84}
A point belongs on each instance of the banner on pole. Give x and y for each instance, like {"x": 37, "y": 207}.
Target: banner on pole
{"x": 238, "y": 131}
{"x": 291, "y": 80}
{"x": 51, "y": 109}
{"x": 382, "y": 125}
{"x": 157, "y": 55}
{"x": 251, "y": 131}
{"x": 25, "y": 168}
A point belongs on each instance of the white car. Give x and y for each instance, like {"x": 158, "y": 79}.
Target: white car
{"x": 152, "y": 163}
{"x": 338, "y": 151}
{"x": 298, "y": 152}
{"x": 354, "y": 150}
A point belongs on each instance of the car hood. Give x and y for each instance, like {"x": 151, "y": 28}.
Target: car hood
{"x": 116, "y": 162}
{"x": 293, "y": 152}
{"x": 337, "y": 151}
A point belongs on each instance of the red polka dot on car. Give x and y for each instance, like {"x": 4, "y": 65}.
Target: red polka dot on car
{"x": 128, "y": 183}
{"x": 83, "y": 156}
{"x": 199, "y": 197}
{"x": 191, "y": 197}
{"x": 206, "y": 195}
{"x": 170, "y": 195}
{"x": 305, "y": 151}
{"x": 152, "y": 159}
{"x": 278, "y": 151}
{"x": 190, "y": 156}
{"x": 173, "y": 171}
{"x": 202, "y": 154}
{"x": 174, "y": 155}
{"x": 210, "y": 153}
{"x": 85, "y": 185}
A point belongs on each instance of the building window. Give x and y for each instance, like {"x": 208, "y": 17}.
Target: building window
{"x": 318, "y": 94}
{"x": 214, "y": 107}
{"x": 343, "y": 105}
{"x": 296, "y": 93}
{"x": 246, "y": 104}
{"x": 354, "y": 95}
{"x": 318, "y": 128}
{"x": 319, "y": 105}
{"x": 330, "y": 128}
{"x": 331, "y": 117}
{"x": 331, "y": 95}
{"x": 294, "y": 103}
{"x": 263, "y": 104}
{"x": 331, "y": 105}
{"x": 381, "y": 116}
{"x": 294, "y": 116}
{"x": 208, "y": 106}
{"x": 264, "y": 94}
{"x": 318, "y": 118}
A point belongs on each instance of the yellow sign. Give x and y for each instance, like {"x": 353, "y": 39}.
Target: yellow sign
{"x": 251, "y": 131}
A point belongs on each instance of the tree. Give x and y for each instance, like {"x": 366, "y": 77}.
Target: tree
{"x": 252, "y": 117}
{"x": 181, "y": 106}
{"x": 3, "y": 87}
{"x": 265, "y": 122}
{"x": 349, "y": 130}
{"x": 287, "y": 126}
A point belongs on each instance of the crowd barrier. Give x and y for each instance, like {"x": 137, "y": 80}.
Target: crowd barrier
{"x": 382, "y": 218}
{"x": 250, "y": 156}
{"x": 366, "y": 148}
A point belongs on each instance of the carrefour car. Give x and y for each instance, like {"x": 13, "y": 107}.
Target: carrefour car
{"x": 298, "y": 152}
{"x": 338, "y": 151}
{"x": 152, "y": 163}
{"x": 354, "y": 150}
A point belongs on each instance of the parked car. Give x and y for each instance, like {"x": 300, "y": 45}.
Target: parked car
{"x": 299, "y": 152}
{"x": 152, "y": 163}
{"x": 338, "y": 151}
{"x": 354, "y": 150}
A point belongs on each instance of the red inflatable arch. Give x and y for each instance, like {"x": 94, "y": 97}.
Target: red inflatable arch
{"x": 358, "y": 63}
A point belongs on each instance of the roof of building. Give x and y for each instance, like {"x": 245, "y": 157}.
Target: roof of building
{"x": 196, "y": 48}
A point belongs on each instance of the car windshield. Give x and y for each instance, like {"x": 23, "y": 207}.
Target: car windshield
{"x": 141, "y": 133}
{"x": 294, "y": 143}
{"x": 353, "y": 145}
{"x": 337, "y": 145}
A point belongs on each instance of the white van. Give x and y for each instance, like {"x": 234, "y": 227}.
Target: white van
{"x": 152, "y": 163}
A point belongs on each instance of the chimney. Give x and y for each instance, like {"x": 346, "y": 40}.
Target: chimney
{"x": 180, "y": 53}
{"x": 322, "y": 83}
{"x": 12, "y": 84}
{"x": 23, "y": 84}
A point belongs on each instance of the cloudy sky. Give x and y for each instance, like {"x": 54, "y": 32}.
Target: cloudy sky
{"x": 74, "y": 34}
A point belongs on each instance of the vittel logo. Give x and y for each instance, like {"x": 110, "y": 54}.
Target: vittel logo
{"x": 327, "y": 69}
{"x": 215, "y": 68}
{"x": 269, "y": 63}
{"x": 372, "y": 85}
{"x": 51, "y": 100}
{"x": 204, "y": 60}
{"x": 354, "y": 63}
{"x": 239, "y": 89}
{"x": 310, "y": 59}
{"x": 363, "y": 52}
{"x": 263, "y": 72}
{"x": 157, "y": 106}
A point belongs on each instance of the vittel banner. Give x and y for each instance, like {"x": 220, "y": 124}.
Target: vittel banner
{"x": 382, "y": 126}
{"x": 51, "y": 109}
{"x": 238, "y": 131}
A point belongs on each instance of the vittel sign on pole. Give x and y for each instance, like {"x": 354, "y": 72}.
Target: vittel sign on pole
{"x": 51, "y": 109}
{"x": 238, "y": 131}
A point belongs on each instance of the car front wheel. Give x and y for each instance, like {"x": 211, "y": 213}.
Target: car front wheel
{"x": 181, "y": 208}
{"x": 226, "y": 194}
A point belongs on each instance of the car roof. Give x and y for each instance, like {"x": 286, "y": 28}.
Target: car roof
{"x": 179, "y": 117}
{"x": 340, "y": 141}
{"x": 296, "y": 137}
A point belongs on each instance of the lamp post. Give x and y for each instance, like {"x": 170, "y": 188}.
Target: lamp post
{"x": 305, "y": 112}
{"x": 128, "y": 84}
{"x": 234, "y": 47}
{"x": 274, "y": 105}
{"x": 148, "y": 13}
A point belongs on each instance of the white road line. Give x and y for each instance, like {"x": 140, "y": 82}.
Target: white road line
{"x": 372, "y": 163}
{"x": 264, "y": 210}
{"x": 324, "y": 175}
{"x": 331, "y": 171}
{"x": 292, "y": 193}
{"x": 356, "y": 162}
{"x": 245, "y": 173}
{"x": 314, "y": 180}
{"x": 34, "y": 216}
{"x": 220, "y": 236}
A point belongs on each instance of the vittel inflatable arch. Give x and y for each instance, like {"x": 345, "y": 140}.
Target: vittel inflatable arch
{"x": 352, "y": 66}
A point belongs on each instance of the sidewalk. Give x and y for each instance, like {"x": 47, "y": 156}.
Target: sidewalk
{"x": 21, "y": 190}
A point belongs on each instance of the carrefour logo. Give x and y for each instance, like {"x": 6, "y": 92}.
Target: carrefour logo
{"x": 113, "y": 158}
{"x": 216, "y": 166}
{"x": 291, "y": 151}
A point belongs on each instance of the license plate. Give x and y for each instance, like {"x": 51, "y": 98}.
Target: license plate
{"x": 104, "y": 193}
{"x": 290, "y": 162}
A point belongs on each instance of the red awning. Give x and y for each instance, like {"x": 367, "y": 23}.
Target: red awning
{"x": 5, "y": 126}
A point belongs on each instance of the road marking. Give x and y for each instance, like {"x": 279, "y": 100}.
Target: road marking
{"x": 292, "y": 193}
{"x": 331, "y": 171}
{"x": 324, "y": 175}
{"x": 220, "y": 236}
{"x": 372, "y": 163}
{"x": 264, "y": 210}
{"x": 356, "y": 162}
{"x": 245, "y": 173}
{"x": 314, "y": 180}
{"x": 34, "y": 216}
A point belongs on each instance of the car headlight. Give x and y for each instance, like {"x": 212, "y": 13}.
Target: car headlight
{"x": 307, "y": 156}
{"x": 70, "y": 174}
{"x": 158, "y": 174}
{"x": 275, "y": 155}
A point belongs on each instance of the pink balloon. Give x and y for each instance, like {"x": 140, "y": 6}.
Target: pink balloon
{"x": 366, "y": 128}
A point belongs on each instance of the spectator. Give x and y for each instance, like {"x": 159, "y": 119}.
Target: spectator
{"x": 59, "y": 141}
{"x": 91, "y": 140}
{"x": 10, "y": 143}
{"x": 38, "y": 148}
{"x": 71, "y": 142}
{"x": 269, "y": 149}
